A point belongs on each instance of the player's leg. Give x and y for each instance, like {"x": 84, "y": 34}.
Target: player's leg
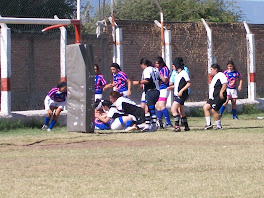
{"x": 207, "y": 107}
{"x": 217, "y": 119}
{"x": 174, "y": 110}
{"x": 55, "y": 117}
{"x": 184, "y": 119}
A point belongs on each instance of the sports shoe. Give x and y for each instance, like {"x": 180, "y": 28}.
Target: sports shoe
{"x": 160, "y": 124}
{"x": 219, "y": 128}
{"x": 208, "y": 127}
{"x": 168, "y": 126}
{"x": 146, "y": 128}
{"x": 131, "y": 128}
{"x": 49, "y": 130}
{"x": 44, "y": 127}
{"x": 176, "y": 129}
{"x": 235, "y": 118}
{"x": 153, "y": 127}
{"x": 187, "y": 128}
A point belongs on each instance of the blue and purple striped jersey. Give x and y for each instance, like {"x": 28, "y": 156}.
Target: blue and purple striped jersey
{"x": 232, "y": 77}
{"x": 99, "y": 82}
{"x": 119, "y": 80}
{"x": 56, "y": 95}
{"x": 165, "y": 72}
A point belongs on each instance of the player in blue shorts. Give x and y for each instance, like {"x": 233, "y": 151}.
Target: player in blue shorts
{"x": 54, "y": 102}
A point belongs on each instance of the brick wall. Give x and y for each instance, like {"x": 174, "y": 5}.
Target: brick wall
{"x": 36, "y": 67}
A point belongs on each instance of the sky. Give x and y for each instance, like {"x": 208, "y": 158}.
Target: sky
{"x": 252, "y": 10}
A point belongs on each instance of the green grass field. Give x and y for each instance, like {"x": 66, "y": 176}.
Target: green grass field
{"x": 226, "y": 163}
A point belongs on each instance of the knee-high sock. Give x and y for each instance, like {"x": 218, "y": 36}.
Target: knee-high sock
{"x": 53, "y": 122}
{"x": 47, "y": 119}
{"x": 167, "y": 116}
{"x": 222, "y": 109}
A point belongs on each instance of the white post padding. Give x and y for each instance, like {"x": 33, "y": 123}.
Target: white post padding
{"x": 63, "y": 43}
{"x": 119, "y": 48}
{"x": 168, "y": 60}
{"x": 251, "y": 67}
{"x": 5, "y": 68}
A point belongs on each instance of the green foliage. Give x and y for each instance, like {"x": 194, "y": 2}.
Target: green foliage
{"x": 178, "y": 10}
{"x": 250, "y": 109}
{"x": 198, "y": 112}
{"x": 8, "y": 124}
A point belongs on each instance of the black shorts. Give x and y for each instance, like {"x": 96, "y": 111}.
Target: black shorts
{"x": 152, "y": 97}
{"x": 216, "y": 103}
{"x": 181, "y": 100}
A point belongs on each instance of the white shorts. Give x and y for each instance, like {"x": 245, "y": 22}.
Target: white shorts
{"x": 49, "y": 102}
{"x": 98, "y": 96}
{"x": 231, "y": 93}
{"x": 116, "y": 125}
{"x": 124, "y": 93}
{"x": 164, "y": 93}
{"x": 143, "y": 97}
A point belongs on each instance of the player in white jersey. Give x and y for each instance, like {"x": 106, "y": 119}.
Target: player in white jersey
{"x": 117, "y": 120}
{"x": 150, "y": 80}
{"x": 217, "y": 97}
{"x": 181, "y": 94}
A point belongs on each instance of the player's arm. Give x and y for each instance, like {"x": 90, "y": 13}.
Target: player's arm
{"x": 110, "y": 85}
{"x": 240, "y": 84}
{"x": 184, "y": 88}
{"x": 221, "y": 94}
{"x": 129, "y": 83}
{"x": 163, "y": 79}
{"x": 103, "y": 119}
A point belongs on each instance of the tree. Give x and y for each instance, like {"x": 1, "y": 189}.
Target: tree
{"x": 178, "y": 10}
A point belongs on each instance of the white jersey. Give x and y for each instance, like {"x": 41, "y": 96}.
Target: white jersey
{"x": 119, "y": 102}
{"x": 218, "y": 80}
{"x": 180, "y": 81}
{"x": 152, "y": 75}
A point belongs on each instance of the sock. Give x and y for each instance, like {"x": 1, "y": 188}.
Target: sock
{"x": 167, "y": 116}
{"x": 52, "y": 124}
{"x": 159, "y": 115}
{"x": 234, "y": 111}
{"x": 184, "y": 121}
{"x": 152, "y": 114}
{"x": 177, "y": 120}
{"x": 47, "y": 119}
{"x": 208, "y": 121}
{"x": 147, "y": 118}
{"x": 222, "y": 109}
{"x": 128, "y": 123}
{"x": 218, "y": 123}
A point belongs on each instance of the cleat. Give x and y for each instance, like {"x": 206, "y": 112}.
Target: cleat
{"x": 235, "y": 118}
{"x": 153, "y": 127}
{"x": 146, "y": 128}
{"x": 49, "y": 130}
{"x": 219, "y": 128}
{"x": 44, "y": 127}
{"x": 160, "y": 124}
{"x": 208, "y": 127}
{"x": 176, "y": 129}
{"x": 168, "y": 126}
{"x": 186, "y": 128}
{"x": 132, "y": 128}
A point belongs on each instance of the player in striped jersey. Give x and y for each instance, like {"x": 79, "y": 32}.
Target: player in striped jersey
{"x": 54, "y": 102}
{"x": 233, "y": 76}
{"x": 99, "y": 82}
{"x": 164, "y": 93}
{"x": 121, "y": 83}
{"x": 150, "y": 80}
{"x": 217, "y": 97}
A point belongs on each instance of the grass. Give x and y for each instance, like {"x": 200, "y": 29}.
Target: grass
{"x": 227, "y": 163}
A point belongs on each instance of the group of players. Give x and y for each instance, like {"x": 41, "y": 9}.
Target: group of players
{"x": 157, "y": 81}
{"x": 120, "y": 112}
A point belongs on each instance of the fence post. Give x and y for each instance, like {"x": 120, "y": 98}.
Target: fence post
{"x": 168, "y": 59}
{"x": 119, "y": 48}
{"x": 210, "y": 53}
{"x": 5, "y": 69}
{"x": 251, "y": 63}
{"x": 63, "y": 43}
